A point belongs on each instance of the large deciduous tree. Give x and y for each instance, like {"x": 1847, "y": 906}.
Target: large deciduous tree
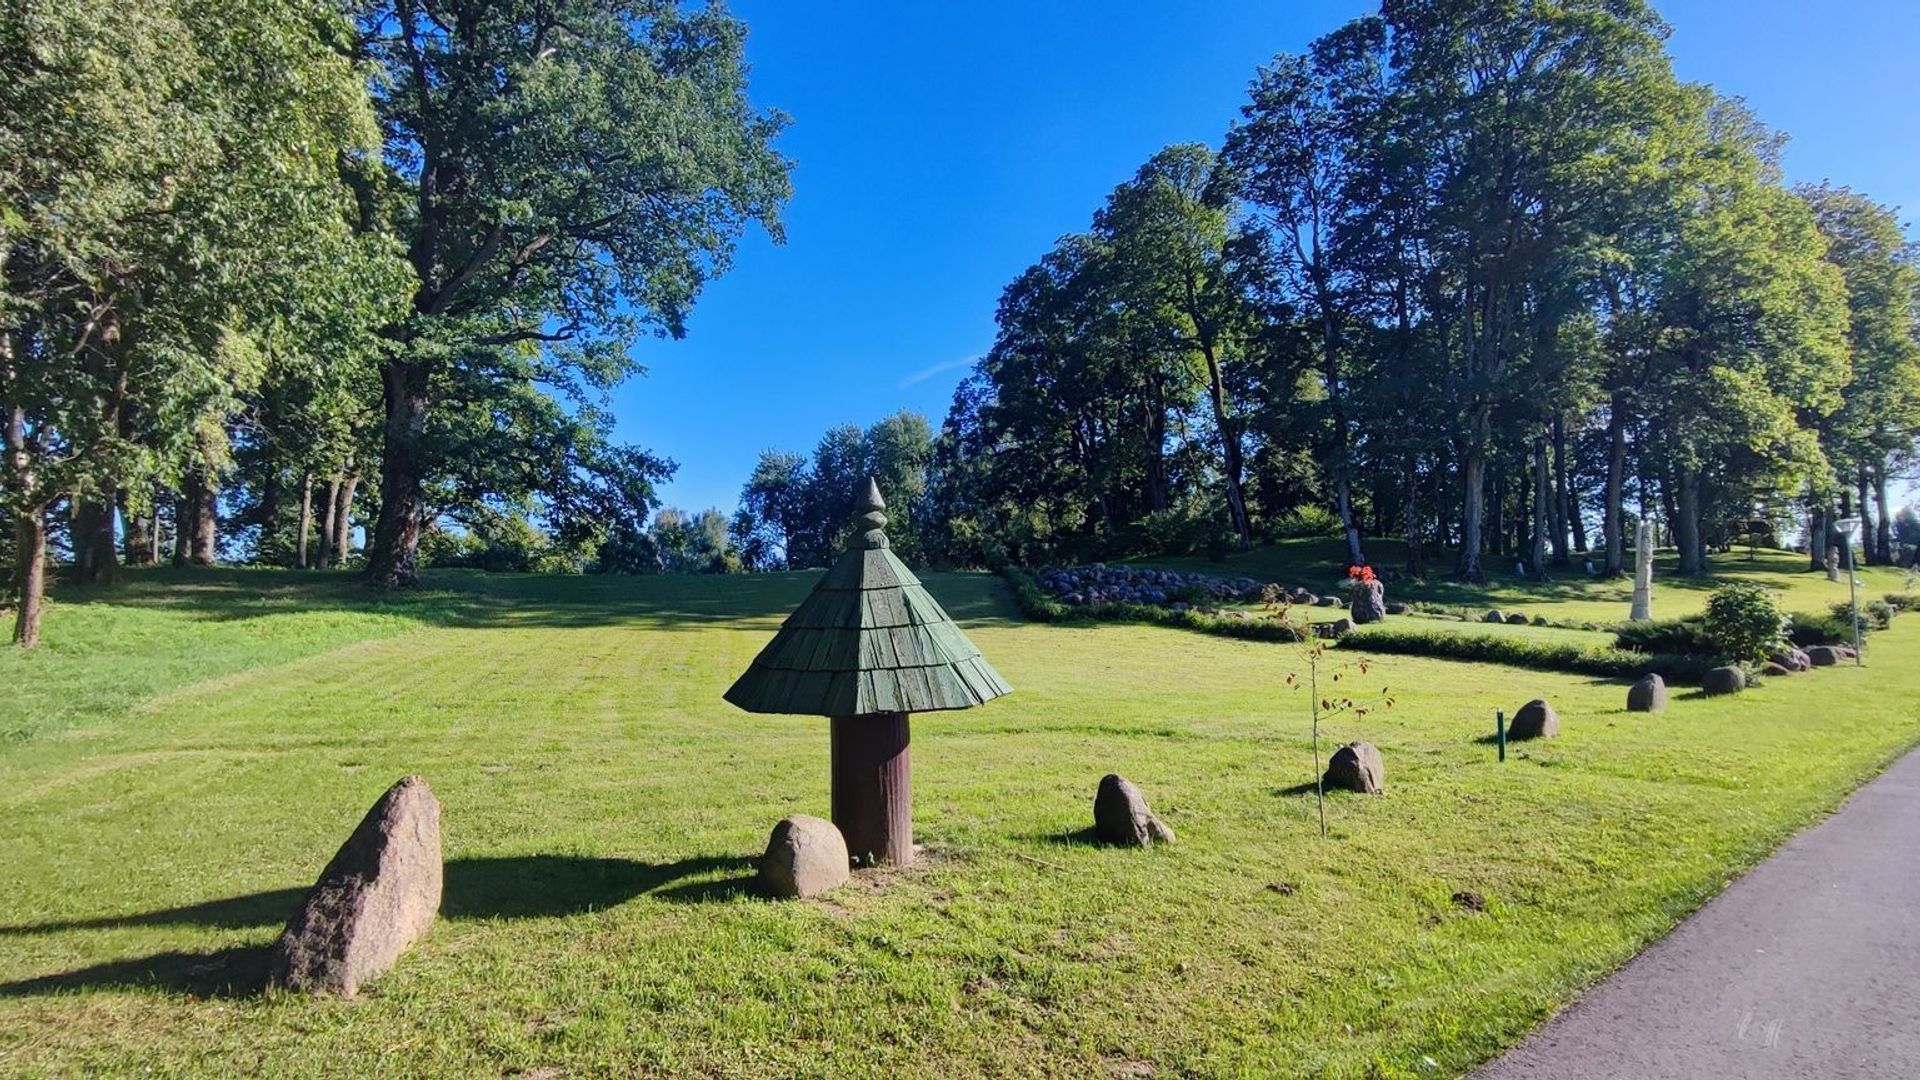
{"x": 173, "y": 206}
{"x": 561, "y": 174}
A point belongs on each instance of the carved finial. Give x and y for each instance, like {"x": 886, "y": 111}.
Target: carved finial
{"x": 869, "y": 505}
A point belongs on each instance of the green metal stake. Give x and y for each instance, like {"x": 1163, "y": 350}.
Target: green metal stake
{"x": 1500, "y": 732}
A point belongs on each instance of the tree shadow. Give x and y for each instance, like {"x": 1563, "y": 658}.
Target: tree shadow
{"x": 507, "y": 887}
{"x": 1307, "y": 788}
{"x": 236, "y": 972}
{"x": 1084, "y": 837}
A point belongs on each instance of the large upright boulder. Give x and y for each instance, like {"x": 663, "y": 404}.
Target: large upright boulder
{"x": 1121, "y": 816}
{"x": 1648, "y": 695}
{"x": 380, "y": 893}
{"x": 1358, "y": 767}
{"x": 1369, "y": 602}
{"x": 805, "y": 857}
{"x": 1535, "y": 720}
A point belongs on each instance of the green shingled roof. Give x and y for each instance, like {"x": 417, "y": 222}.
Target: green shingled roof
{"x": 868, "y": 639}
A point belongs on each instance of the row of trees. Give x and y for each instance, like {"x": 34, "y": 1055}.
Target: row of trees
{"x": 277, "y": 272}
{"x": 1485, "y": 275}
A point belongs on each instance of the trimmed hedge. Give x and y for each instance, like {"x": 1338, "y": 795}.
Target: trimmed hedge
{"x": 1685, "y": 636}
{"x": 1529, "y": 653}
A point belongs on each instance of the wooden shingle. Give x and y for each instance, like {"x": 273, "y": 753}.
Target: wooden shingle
{"x": 869, "y": 639}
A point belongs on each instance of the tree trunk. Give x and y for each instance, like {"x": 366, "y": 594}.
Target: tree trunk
{"x": 265, "y": 548}
{"x": 343, "y": 517}
{"x": 1416, "y": 557}
{"x": 1473, "y": 478}
{"x": 1867, "y": 552}
{"x": 1542, "y": 510}
{"x": 306, "y": 520}
{"x": 1883, "y": 534}
{"x": 138, "y": 544}
{"x": 329, "y": 508}
{"x": 1816, "y": 529}
{"x": 1560, "y": 491}
{"x": 93, "y": 521}
{"x": 396, "y": 537}
{"x": 198, "y": 540}
{"x": 183, "y": 514}
{"x": 1693, "y": 559}
{"x": 30, "y": 575}
{"x": 1497, "y": 515}
{"x": 873, "y": 787}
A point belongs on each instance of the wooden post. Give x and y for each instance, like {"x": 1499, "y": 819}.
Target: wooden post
{"x": 873, "y": 787}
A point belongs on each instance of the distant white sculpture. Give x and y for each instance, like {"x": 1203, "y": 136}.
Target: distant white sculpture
{"x": 1643, "y": 574}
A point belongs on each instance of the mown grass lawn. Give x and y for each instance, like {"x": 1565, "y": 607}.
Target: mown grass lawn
{"x": 602, "y": 806}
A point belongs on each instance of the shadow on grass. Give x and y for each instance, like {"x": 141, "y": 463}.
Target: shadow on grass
{"x": 1087, "y": 837}
{"x": 476, "y": 600}
{"x": 511, "y": 887}
{"x": 507, "y": 887}
{"x": 1307, "y": 788}
{"x": 237, "y": 972}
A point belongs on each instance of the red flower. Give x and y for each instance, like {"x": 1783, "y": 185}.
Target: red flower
{"x": 1360, "y": 573}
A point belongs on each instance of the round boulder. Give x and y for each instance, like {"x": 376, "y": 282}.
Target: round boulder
{"x": 1358, "y": 767}
{"x": 1724, "y": 680}
{"x": 1327, "y": 601}
{"x": 1648, "y": 695}
{"x": 1516, "y": 619}
{"x": 1493, "y": 616}
{"x": 1121, "y": 815}
{"x": 1771, "y": 669}
{"x": 1535, "y": 720}
{"x": 1823, "y": 655}
{"x": 1396, "y": 607}
{"x": 805, "y": 856}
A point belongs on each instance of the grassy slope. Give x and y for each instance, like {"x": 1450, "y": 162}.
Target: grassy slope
{"x": 602, "y": 803}
{"x": 1570, "y": 596}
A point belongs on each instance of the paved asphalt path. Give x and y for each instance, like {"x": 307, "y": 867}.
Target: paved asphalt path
{"x": 1807, "y": 967}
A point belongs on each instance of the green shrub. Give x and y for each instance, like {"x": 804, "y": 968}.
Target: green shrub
{"x": 1306, "y": 522}
{"x": 1900, "y": 601}
{"x": 1530, "y": 653}
{"x": 1816, "y": 628}
{"x": 1744, "y": 621}
{"x": 1682, "y": 637}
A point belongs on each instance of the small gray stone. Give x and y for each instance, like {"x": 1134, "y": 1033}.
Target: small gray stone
{"x": 1724, "y": 680}
{"x": 1823, "y": 655}
{"x": 1121, "y": 815}
{"x": 1396, "y": 607}
{"x": 380, "y": 893}
{"x": 1327, "y": 601}
{"x": 1535, "y": 720}
{"x": 1358, "y": 767}
{"x": 805, "y": 856}
{"x": 1516, "y": 619}
{"x": 1773, "y": 670}
{"x": 1492, "y": 617}
{"x": 1648, "y": 695}
{"x": 1335, "y": 629}
{"x": 1801, "y": 661}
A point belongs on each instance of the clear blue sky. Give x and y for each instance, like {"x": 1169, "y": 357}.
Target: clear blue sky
{"x": 940, "y": 149}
